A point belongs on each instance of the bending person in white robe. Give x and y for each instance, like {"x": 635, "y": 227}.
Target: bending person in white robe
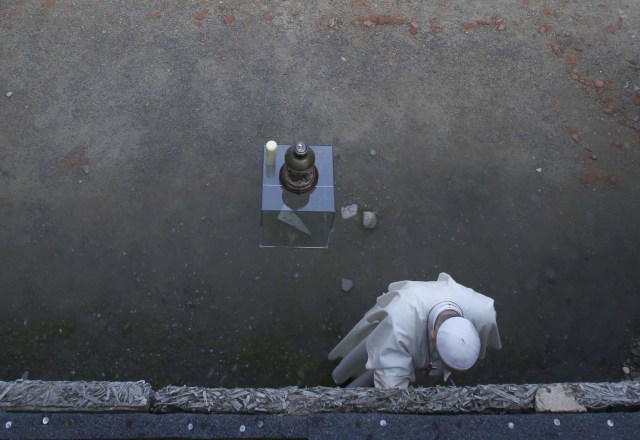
{"x": 431, "y": 327}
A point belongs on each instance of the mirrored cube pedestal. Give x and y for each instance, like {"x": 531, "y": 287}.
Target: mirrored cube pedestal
{"x": 297, "y": 220}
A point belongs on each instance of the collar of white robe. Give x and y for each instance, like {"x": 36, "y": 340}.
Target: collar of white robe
{"x": 439, "y": 308}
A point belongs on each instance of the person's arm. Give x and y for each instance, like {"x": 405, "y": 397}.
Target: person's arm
{"x": 391, "y": 378}
{"x": 391, "y": 347}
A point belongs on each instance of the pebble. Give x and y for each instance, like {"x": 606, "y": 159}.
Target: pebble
{"x": 373, "y": 152}
{"x": 556, "y": 422}
{"x": 369, "y": 220}
{"x": 346, "y": 285}
{"x": 349, "y": 211}
{"x": 539, "y": 170}
{"x": 511, "y": 425}
{"x": 626, "y": 370}
{"x": 85, "y": 169}
{"x": 9, "y": 94}
{"x": 260, "y": 423}
{"x": 383, "y": 422}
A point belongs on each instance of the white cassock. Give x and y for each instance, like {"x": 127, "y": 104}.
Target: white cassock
{"x": 391, "y": 342}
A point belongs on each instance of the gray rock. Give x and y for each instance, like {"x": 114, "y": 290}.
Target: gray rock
{"x": 373, "y": 152}
{"x": 349, "y": 211}
{"x": 9, "y": 94}
{"x": 85, "y": 169}
{"x": 369, "y": 220}
{"x": 346, "y": 285}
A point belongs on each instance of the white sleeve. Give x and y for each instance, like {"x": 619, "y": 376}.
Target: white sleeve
{"x": 391, "y": 347}
{"x": 391, "y": 378}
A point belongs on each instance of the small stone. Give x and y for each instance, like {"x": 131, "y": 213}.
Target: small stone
{"x": 349, "y": 211}
{"x": 343, "y": 59}
{"x": 9, "y": 94}
{"x": 610, "y": 423}
{"x": 190, "y": 426}
{"x": 346, "y": 285}
{"x": 45, "y": 420}
{"x": 626, "y": 370}
{"x": 373, "y": 152}
{"x": 556, "y": 422}
{"x": 243, "y": 428}
{"x": 369, "y": 220}
{"x": 85, "y": 169}
{"x": 383, "y": 422}
{"x": 539, "y": 170}
{"x": 511, "y": 425}
{"x": 260, "y": 423}
{"x": 8, "y": 424}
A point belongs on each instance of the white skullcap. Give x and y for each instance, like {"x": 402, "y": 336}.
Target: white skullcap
{"x": 458, "y": 343}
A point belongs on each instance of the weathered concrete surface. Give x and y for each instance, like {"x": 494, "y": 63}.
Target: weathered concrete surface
{"x": 494, "y": 163}
{"x": 557, "y": 398}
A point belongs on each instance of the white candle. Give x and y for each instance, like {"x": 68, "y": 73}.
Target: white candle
{"x": 271, "y": 152}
